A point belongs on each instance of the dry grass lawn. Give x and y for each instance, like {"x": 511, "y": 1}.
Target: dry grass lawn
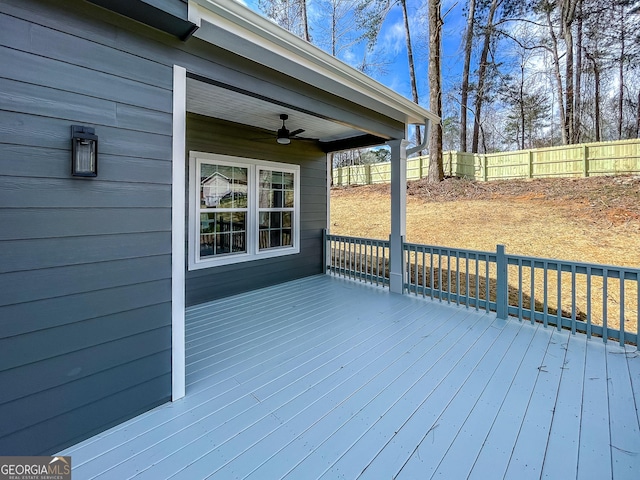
{"x": 595, "y": 220}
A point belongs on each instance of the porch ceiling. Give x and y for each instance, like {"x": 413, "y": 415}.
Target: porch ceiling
{"x": 252, "y": 110}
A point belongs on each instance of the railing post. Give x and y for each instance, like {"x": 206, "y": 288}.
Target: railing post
{"x": 325, "y": 251}
{"x": 502, "y": 291}
{"x": 398, "y": 214}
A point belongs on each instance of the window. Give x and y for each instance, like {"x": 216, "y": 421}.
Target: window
{"x": 247, "y": 209}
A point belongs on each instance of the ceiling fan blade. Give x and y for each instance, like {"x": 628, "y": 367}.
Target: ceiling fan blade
{"x": 296, "y": 132}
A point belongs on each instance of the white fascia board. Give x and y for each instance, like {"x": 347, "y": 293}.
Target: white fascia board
{"x": 243, "y": 23}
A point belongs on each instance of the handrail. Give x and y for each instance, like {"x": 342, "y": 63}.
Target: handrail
{"x": 596, "y": 299}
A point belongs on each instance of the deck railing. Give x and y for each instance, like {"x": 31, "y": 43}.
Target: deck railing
{"x": 363, "y": 259}
{"x": 595, "y": 299}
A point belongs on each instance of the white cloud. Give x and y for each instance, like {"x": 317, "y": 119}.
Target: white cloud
{"x": 393, "y": 38}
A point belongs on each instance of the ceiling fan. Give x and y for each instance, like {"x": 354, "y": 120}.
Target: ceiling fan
{"x": 283, "y": 135}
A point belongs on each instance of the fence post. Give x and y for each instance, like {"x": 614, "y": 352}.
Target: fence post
{"x": 367, "y": 170}
{"x": 585, "y": 160}
{"x": 502, "y": 292}
{"x": 486, "y": 169}
{"x": 530, "y": 163}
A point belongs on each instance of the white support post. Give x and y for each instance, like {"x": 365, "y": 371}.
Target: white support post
{"x": 398, "y": 212}
{"x": 178, "y": 372}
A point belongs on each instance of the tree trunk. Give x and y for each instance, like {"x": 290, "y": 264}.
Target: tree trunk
{"x": 567, "y": 15}
{"x": 621, "y": 72}
{"x": 577, "y": 109}
{"x": 305, "y": 20}
{"x": 558, "y": 77}
{"x": 412, "y": 71}
{"x": 436, "y": 170}
{"x": 464, "y": 91}
{"x": 568, "y": 81}
{"x": 596, "y": 94}
{"x": 482, "y": 70}
{"x": 638, "y": 118}
{"x": 522, "y": 111}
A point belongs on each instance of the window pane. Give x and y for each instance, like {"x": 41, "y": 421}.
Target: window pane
{"x": 287, "y": 239}
{"x": 276, "y": 180}
{"x": 239, "y": 243}
{"x": 239, "y": 222}
{"x": 222, "y": 186}
{"x": 275, "y": 238}
{"x": 223, "y": 243}
{"x": 286, "y": 219}
{"x": 287, "y": 181}
{"x": 215, "y": 238}
{"x": 265, "y": 179}
{"x": 264, "y": 220}
{"x": 288, "y": 199}
{"x": 275, "y": 220}
{"x": 207, "y": 222}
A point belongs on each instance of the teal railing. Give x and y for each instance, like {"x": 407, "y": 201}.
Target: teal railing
{"x": 594, "y": 299}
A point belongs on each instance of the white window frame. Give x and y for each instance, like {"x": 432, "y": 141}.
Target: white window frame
{"x": 252, "y": 241}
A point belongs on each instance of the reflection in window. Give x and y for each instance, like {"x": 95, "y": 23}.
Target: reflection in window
{"x": 276, "y": 208}
{"x": 223, "y": 209}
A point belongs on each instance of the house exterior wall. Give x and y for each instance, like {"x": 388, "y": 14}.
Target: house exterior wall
{"x": 205, "y": 134}
{"x": 85, "y": 264}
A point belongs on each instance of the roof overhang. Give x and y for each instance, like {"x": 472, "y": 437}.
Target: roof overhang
{"x": 235, "y": 28}
{"x": 170, "y": 16}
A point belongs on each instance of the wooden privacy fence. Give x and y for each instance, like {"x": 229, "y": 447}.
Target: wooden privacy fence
{"x": 582, "y": 160}
{"x": 594, "y": 299}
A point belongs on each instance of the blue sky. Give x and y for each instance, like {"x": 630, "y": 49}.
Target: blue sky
{"x": 392, "y": 40}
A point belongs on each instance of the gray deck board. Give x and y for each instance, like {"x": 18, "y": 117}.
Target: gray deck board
{"x": 328, "y": 378}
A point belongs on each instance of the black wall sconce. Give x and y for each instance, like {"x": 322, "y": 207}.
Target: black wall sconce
{"x": 84, "y": 152}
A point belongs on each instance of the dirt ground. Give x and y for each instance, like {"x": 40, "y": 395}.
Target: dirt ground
{"x": 595, "y": 220}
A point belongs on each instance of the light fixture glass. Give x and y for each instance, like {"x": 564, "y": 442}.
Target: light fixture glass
{"x": 283, "y": 133}
{"x": 84, "y": 152}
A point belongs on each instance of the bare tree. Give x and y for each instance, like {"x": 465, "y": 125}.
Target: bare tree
{"x": 464, "y": 90}
{"x": 289, "y": 14}
{"x": 436, "y": 170}
{"x": 372, "y": 14}
{"x": 482, "y": 70}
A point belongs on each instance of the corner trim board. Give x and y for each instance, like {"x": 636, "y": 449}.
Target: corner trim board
{"x": 178, "y": 355}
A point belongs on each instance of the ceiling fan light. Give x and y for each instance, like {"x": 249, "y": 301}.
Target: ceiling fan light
{"x": 283, "y": 136}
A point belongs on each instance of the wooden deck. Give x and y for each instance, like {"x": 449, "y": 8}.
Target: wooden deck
{"x": 329, "y": 378}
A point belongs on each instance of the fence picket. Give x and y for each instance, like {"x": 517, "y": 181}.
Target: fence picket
{"x": 581, "y": 160}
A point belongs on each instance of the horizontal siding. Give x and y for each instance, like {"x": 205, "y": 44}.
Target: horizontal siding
{"x": 31, "y": 37}
{"x": 211, "y": 283}
{"x": 27, "y": 286}
{"x": 89, "y": 419}
{"x": 50, "y": 163}
{"x": 64, "y": 77}
{"x": 50, "y": 403}
{"x": 32, "y": 130}
{"x": 75, "y": 365}
{"x": 22, "y": 255}
{"x": 85, "y": 264}
{"x": 31, "y": 223}
{"x": 36, "y": 315}
{"x": 37, "y": 346}
{"x": 55, "y": 103}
